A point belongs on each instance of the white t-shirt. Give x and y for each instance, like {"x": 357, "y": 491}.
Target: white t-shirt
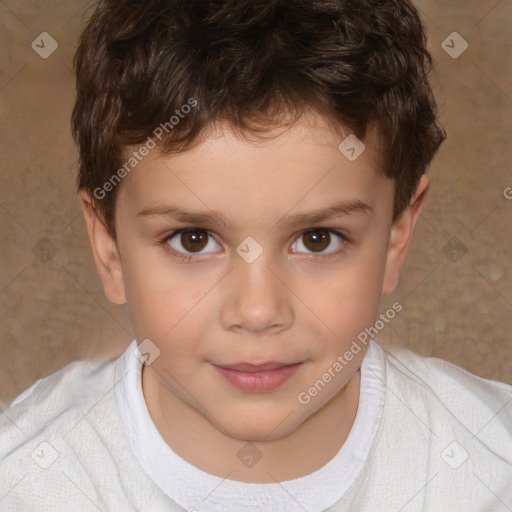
{"x": 427, "y": 436}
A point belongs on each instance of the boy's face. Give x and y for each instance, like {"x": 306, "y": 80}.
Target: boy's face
{"x": 209, "y": 299}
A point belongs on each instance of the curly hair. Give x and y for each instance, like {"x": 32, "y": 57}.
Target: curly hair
{"x": 245, "y": 62}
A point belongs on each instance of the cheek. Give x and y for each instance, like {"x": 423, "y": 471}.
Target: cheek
{"x": 348, "y": 310}
{"x": 169, "y": 319}
{"x": 348, "y": 303}
{"x": 162, "y": 306}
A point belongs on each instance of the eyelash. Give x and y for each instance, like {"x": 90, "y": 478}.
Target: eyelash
{"x": 186, "y": 258}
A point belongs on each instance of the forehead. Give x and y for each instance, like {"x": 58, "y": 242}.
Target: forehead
{"x": 229, "y": 171}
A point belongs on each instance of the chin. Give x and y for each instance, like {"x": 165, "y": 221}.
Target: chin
{"x": 259, "y": 427}
{"x": 255, "y": 435}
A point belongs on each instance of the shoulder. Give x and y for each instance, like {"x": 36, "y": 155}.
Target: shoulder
{"x": 63, "y": 447}
{"x": 54, "y": 400}
{"x": 37, "y": 428}
{"x": 443, "y": 378}
{"x": 451, "y": 398}
{"x": 444, "y": 440}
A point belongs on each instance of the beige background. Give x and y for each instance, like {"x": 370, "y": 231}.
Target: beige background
{"x": 456, "y": 288}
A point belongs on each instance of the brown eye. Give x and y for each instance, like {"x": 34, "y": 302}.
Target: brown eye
{"x": 318, "y": 240}
{"x": 194, "y": 240}
{"x": 191, "y": 241}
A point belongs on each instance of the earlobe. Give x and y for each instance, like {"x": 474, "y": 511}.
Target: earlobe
{"x": 105, "y": 251}
{"x": 400, "y": 237}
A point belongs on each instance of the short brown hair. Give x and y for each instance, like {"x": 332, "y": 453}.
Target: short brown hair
{"x": 355, "y": 62}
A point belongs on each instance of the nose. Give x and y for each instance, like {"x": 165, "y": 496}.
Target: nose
{"x": 256, "y": 299}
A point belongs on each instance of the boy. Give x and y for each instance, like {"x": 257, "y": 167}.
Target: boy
{"x": 251, "y": 174}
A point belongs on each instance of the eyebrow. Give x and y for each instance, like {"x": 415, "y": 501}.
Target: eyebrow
{"x": 338, "y": 209}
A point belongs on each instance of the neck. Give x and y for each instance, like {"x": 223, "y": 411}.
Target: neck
{"x": 197, "y": 439}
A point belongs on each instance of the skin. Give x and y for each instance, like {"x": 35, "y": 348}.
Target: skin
{"x": 292, "y": 304}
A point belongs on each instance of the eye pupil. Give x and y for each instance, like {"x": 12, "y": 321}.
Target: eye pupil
{"x": 194, "y": 240}
{"x": 319, "y": 238}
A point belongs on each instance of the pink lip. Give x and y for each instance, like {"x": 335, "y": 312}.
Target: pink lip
{"x": 258, "y": 378}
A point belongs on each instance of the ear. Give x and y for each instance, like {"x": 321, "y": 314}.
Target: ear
{"x": 400, "y": 237}
{"x": 105, "y": 251}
